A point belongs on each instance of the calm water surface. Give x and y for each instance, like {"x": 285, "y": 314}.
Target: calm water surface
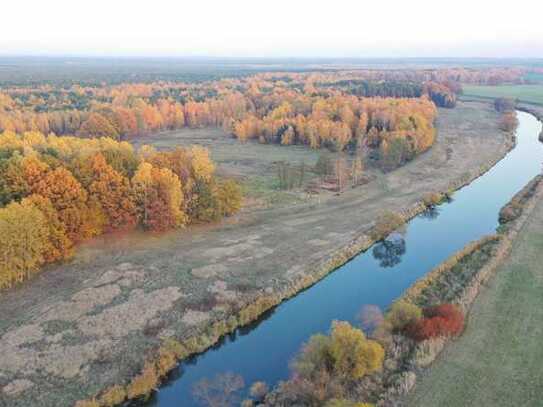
{"x": 377, "y": 276}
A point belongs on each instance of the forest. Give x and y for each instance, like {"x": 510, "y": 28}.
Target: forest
{"x": 58, "y": 191}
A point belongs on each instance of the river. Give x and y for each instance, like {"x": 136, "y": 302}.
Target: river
{"x": 262, "y": 351}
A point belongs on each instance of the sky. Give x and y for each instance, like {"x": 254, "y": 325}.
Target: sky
{"x": 273, "y": 28}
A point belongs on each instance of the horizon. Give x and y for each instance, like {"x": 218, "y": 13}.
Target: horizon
{"x": 389, "y": 29}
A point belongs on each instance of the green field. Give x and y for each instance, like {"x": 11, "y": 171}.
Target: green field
{"x": 534, "y": 77}
{"x": 524, "y": 93}
{"x": 498, "y": 360}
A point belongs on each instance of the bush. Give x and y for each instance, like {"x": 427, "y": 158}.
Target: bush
{"x": 166, "y": 361}
{"x": 113, "y": 396}
{"x": 444, "y": 320}
{"x": 144, "y": 383}
{"x": 432, "y": 199}
{"x": 259, "y": 390}
{"x": 385, "y": 223}
{"x": 508, "y": 122}
{"x": 402, "y": 314}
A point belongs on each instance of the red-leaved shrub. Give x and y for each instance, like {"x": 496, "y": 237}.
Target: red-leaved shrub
{"x": 441, "y": 320}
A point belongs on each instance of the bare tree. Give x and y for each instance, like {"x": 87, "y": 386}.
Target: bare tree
{"x": 220, "y": 391}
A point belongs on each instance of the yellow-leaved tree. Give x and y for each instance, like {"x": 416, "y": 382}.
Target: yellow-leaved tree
{"x": 23, "y": 242}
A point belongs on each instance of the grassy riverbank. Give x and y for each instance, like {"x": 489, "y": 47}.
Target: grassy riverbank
{"x": 497, "y": 362}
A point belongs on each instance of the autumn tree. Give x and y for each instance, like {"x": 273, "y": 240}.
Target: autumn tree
{"x": 96, "y": 125}
{"x": 112, "y": 192}
{"x": 23, "y": 242}
{"x": 68, "y": 197}
{"x": 345, "y": 353}
{"x": 158, "y": 197}
{"x": 58, "y": 246}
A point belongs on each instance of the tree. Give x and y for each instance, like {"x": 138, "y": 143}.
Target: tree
{"x": 230, "y": 196}
{"x": 346, "y": 353}
{"x": 69, "y": 199}
{"x": 353, "y": 355}
{"x": 341, "y": 173}
{"x": 158, "y": 198}
{"x": 58, "y": 246}
{"x": 112, "y": 191}
{"x": 202, "y": 165}
{"x": 13, "y": 185}
{"x": 401, "y": 314}
{"x": 97, "y": 125}
{"x": 221, "y": 391}
{"x": 23, "y": 242}
{"x": 357, "y": 169}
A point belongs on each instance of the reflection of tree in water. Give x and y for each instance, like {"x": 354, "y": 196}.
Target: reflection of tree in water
{"x": 389, "y": 252}
{"x": 430, "y": 213}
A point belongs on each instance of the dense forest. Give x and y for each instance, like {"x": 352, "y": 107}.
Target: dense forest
{"x": 57, "y": 191}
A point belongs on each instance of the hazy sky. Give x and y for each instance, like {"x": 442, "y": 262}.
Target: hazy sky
{"x": 336, "y": 28}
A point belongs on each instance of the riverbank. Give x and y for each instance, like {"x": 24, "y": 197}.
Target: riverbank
{"x": 497, "y": 361}
{"x": 458, "y": 280}
{"x": 88, "y": 325}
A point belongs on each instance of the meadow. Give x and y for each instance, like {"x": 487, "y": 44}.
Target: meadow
{"x": 524, "y": 93}
{"x": 497, "y": 361}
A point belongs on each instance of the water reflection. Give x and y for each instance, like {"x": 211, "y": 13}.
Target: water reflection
{"x": 389, "y": 252}
{"x": 431, "y": 213}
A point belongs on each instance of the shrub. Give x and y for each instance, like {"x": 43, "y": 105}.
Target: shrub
{"x": 144, "y": 383}
{"x": 259, "y": 390}
{"x": 385, "y": 223}
{"x": 401, "y": 314}
{"x": 166, "y": 361}
{"x": 508, "y": 121}
{"x": 440, "y": 321}
{"x": 432, "y": 199}
{"x": 113, "y": 396}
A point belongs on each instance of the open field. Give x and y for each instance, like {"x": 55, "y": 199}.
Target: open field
{"x": 88, "y": 324}
{"x": 524, "y": 93}
{"x": 497, "y": 361}
{"x": 252, "y": 163}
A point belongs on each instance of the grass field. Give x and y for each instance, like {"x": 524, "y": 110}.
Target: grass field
{"x": 524, "y": 93}
{"x": 498, "y": 360}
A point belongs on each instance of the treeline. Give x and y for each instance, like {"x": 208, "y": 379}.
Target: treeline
{"x": 442, "y": 94}
{"x": 394, "y": 129}
{"x": 132, "y": 109}
{"x": 366, "y": 88}
{"x": 58, "y": 191}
